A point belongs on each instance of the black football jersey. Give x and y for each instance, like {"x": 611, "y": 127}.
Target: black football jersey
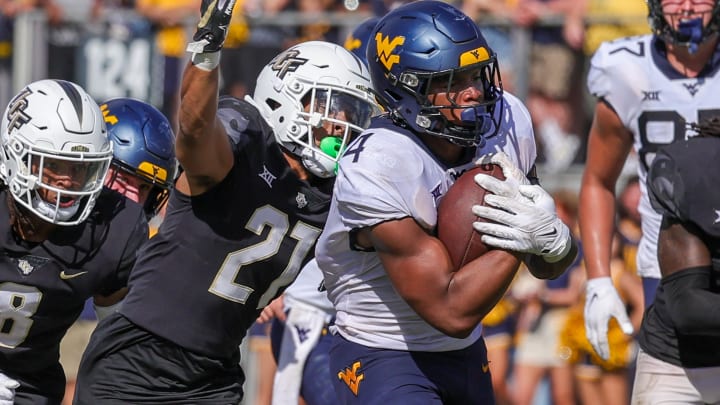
{"x": 44, "y": 285}
{"x": 220, "y": 257}
{"x": 680, "y": 187}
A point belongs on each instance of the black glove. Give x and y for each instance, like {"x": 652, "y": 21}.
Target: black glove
{"x": 212, "y": 28}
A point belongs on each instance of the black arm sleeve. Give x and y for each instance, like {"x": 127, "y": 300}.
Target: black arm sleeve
{"x": 692, "y": 307}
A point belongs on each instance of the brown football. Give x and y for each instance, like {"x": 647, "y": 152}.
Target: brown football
{"x": 455, "y": 217}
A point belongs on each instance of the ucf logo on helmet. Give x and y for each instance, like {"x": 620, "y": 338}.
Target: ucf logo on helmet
{"x": 16, "y": 111}
{"x": 288, "y": 62}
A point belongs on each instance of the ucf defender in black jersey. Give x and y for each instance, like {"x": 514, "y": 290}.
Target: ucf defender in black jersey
{"x": 242, "y": 220}
{"x": 679, "y": 361}
{"x": 63, "y": 239}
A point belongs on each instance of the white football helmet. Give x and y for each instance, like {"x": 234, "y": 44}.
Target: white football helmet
{"x": 54, "y": 151}
{"x": 333, "y": 83}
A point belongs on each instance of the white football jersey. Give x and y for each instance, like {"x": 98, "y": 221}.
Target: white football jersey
{"x": 388, "y": 175}
{"x": 306, "y": 289}
{"x": 655, "y": 102}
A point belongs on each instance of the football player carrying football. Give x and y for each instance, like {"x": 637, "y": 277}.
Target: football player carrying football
{"x": 408, "y": 323}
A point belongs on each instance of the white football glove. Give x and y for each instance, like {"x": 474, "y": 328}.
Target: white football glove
{"x": 523, "y": 219}
{"x": 602, "y": 302}
{"x": 7, "y": 389}
{"x": 510, "y": 171}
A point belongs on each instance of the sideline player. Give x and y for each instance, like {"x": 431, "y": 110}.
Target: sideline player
{"x": 648, "y": 88}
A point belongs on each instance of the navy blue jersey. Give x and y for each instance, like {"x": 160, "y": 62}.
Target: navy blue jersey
{"x": 220, "y": 257}
{"x": 681, "y": 189}
{"x": 45, "y": 285}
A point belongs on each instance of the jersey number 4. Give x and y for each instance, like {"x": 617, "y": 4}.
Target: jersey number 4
{"x": 224, "y": 284}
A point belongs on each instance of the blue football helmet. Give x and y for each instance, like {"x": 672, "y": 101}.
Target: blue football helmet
{"x": 143, "y": 146}
{"x": 424, "y": 44}
{"x": 690, "y": 32}
{"x": 357, "y": 41}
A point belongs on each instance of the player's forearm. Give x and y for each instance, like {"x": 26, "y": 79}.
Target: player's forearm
{"x": 454, "y": 302}
{"x": 478, "y": 286}
{"x": 597, "y": 213}
{"x": 198, "y": 103}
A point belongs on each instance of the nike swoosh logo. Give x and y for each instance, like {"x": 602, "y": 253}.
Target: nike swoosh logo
{"x": 206, "y": 17}
{"x": 485, "y": 368}
{"x": 65, "y": 276}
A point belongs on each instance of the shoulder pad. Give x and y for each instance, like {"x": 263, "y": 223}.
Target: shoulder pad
{"x": 238, "y": 117}
{"x": 665, "y": 185}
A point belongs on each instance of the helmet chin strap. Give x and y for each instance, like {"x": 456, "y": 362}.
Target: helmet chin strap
{"x": 48, "y": 210}
{"x": 323, "y": 164}
{"x": 691, "y": 32}
{"x": 477, "y": 116}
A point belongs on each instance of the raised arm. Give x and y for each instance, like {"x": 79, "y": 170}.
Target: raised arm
{"x": 202, "y": 146}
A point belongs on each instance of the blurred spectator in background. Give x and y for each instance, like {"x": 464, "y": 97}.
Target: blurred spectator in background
{"x": 555, "y": 68}
{"x": 263, "y": 43}
{"x": 320, "y": 28}
{"x": 545, "y": 305}
{"x": 173, "y": 21}
{"x": 100, "y": 6}
{"x": 497, "y": 36}
{"x": 605, "y": 382}
{"x": 231, "y": 63}
{"x": 382, "y": 7}
{"x": 629, "y": 228}
{"x": 632, "y": 15}
{"x": 262, "y": 363}
{"x": 498, "y": 332}
{"x": 67, "y": 20}
{"x": 8, "y": 10}
{"x": 357, "y": 41}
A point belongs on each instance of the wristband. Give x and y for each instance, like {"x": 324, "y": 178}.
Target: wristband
{"x": 206, "y": 61}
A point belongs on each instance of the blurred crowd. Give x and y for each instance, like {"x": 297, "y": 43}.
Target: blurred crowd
{"x": 548, "y": 74}
{"x": 535, "y": 336}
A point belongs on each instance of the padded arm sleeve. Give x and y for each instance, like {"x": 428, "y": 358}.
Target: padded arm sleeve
{"x": 692, "y": 307}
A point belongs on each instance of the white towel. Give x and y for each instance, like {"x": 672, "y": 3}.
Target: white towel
{"x": 303, "y": 328}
